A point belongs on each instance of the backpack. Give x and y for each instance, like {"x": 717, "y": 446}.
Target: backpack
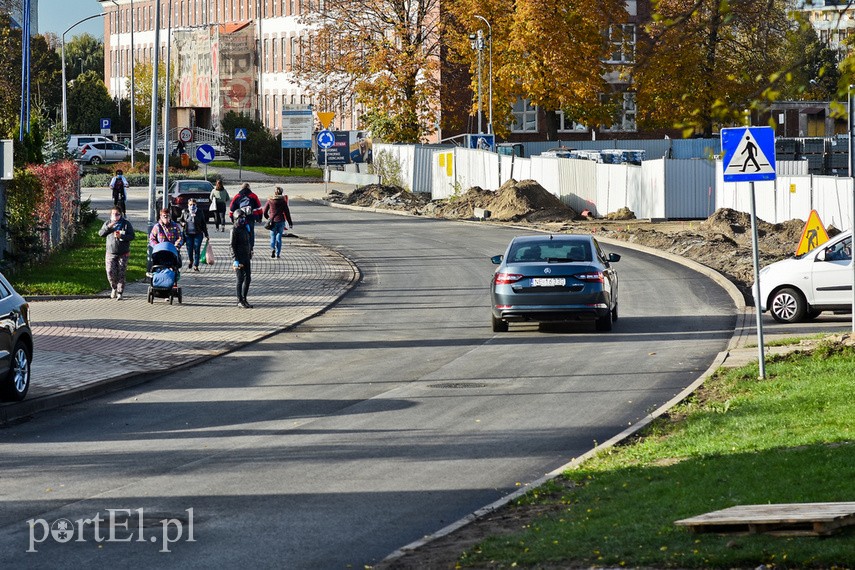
{"x": 119, "y": 188}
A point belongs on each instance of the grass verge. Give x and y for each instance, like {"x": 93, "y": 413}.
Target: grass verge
{"x": 273, "y": 171}
{"x": 739, "y": 440}
{"x": 79, "y": 270}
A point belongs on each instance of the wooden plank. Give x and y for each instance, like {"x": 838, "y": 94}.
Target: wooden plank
{"x": 792, "y": 519}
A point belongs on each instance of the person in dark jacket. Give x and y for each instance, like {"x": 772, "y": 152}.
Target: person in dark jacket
{"x": 195, "y": 227}
{"x": 277, "y": 211}
{"x": 247, "y": 201}
{"x": 119, "y": 233}
{"x": 240, "y": 248}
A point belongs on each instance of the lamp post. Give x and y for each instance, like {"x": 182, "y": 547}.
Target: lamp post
{"x": 64, "y": 84}
{"x": 133, "y": 92}
{"x": 490, "y": 102}
{"x": 851, "y": 174}
{"x": 476, "y": 41}
{"x": 118, "y": 77}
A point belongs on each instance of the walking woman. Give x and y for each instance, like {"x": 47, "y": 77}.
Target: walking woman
{"x": 119, "y": 233}
{"x": 219, "y": 201}
{"x": 240, "y": 247}
{"x": 195, "y": 227}
{"x": 277, "y": 211}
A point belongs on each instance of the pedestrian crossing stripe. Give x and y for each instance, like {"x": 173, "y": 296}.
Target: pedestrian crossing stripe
{"x": 813, "y": 235}
{"x": 749, "y": 154}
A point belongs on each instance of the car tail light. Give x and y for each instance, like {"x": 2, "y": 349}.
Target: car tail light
{"x": 594, "y": 277}
{"x": 506, "y": 278}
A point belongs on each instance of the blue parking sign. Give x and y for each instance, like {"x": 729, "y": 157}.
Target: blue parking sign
{"x": 106, "y": 123}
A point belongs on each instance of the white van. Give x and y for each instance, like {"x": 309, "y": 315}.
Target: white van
{"x": 77, "y": 141}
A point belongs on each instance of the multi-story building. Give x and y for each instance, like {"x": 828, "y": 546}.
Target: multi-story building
{"x": 834, "y": 22}
{"x": 237, "y": 55}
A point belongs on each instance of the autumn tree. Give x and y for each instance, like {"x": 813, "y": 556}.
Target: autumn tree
{"x": 709, "y": 60}
{"x": 382, "y": 55}
{"x": 551, "y": 52}
{"x": 88, "y": 102}
{"x": 142, "y": 87}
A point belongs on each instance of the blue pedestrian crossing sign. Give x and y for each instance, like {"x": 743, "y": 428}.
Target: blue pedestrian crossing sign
{"x": 240, "y": 134}
{"x": 749, "y": 154}
{"x": 205, "y": 153}
{"x": 326, "y": 139}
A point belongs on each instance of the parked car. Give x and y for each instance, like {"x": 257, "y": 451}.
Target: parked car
{"x": 16, "y": 343}
{"x": 98, "y": 152}
{"x": 554, "y": 278}
{"x": 75, "y": 142}
{"x": 181, "y": 191}
{"x": 800, "y": 288}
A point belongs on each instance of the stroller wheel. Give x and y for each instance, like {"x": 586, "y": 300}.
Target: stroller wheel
{"x": 179, "y": 295}
{"x": 150, "y": 296}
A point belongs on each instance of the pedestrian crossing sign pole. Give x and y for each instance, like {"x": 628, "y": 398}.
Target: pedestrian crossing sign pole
{"x": 749, "y": 155}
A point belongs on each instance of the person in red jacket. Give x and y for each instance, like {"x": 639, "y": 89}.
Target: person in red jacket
{"x": 277, "y": 211}
{"x": 247, "y": 201}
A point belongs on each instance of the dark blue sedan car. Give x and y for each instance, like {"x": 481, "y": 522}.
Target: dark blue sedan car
{"x": 560, "y": 277}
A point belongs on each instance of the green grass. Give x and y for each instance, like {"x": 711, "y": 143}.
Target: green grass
{"x": 788, "y": 341}
{"x": 273, "y": 171}
{"x": 79, "y": 270}
{"x": 786, "y": 439}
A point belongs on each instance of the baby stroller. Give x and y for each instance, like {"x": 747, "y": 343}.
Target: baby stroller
{"x": 164, "y": 273}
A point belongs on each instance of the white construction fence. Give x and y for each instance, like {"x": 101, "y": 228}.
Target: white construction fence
{"x": 659, "y": 189}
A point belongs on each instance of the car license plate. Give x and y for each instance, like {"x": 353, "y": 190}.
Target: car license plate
{"x": 547, "y": 282}
{"x": 202, "y": 200}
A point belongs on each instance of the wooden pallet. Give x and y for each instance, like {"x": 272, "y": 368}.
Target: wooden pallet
{"x": 793, "y": 519}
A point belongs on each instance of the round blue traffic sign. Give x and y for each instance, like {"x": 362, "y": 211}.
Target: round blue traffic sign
{"x": 205, "y": 153}
{"x": 326, "y": 139}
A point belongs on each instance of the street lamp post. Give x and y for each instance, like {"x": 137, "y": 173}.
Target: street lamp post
{"x": 476, "y": 41}
{"x": 490, "y": 102}
{"x": 851, "y": 179}
{"x": 118, "y": 78}
{"x": 64, "y": 84}
{"x": 133, "y": 93}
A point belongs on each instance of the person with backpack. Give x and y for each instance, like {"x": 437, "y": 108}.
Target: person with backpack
{"x": 248, "y": 202}
{"x": 241, "y": 252}
{"x": 119, "y": 184}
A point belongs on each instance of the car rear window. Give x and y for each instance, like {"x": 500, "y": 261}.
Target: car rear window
{"x": 551, "y": 250}
{"x": 194, "y": 188}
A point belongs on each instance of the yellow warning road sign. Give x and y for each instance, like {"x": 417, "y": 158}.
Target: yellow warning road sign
{"x": 326, "y": 118}
{"x": 813, "y": 235}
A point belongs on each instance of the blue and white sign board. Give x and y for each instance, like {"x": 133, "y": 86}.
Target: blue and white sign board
{"x": 205, "y": 153}
{"x": 240, "y": 134}
{"x": 298, "y": 122}
{"x": 749, "y": 154}
{"x": 481, "y": 141}
{"x": 106, "y": 125}
{"x": 326, "y": 138}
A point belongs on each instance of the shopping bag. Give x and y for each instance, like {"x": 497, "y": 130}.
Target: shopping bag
{"x": 208, "y": 254}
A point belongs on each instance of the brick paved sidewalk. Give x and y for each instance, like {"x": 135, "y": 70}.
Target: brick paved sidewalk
{"x": 82, "y": 345}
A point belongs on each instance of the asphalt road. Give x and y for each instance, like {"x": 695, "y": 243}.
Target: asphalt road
{"x": 392, "y": 415}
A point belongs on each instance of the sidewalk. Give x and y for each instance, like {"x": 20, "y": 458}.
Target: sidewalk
{"x": 84, "y": 347}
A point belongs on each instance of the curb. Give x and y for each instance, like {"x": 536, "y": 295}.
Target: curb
{"x": 23, "y": 410}
{"x": 737, "y": 339}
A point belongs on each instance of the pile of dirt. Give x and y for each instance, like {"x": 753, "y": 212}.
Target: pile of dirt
{"x": 525, "y": 200}
{"x": 379, "y": 196}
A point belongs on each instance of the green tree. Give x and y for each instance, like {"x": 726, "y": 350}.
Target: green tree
{"x": 88, "y": 103}
{"x": 709, "y": 60}
{"x": 87, "y": 49}
{"x": 386, "y": 54}
{"x": 260, "y": 148}
{"x": 45, "y": 94}
{"x": 811, "y": 68}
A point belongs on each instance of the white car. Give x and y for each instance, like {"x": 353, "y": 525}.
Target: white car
{"x": 98, "y": 152}
{"x": 800, "y": 288}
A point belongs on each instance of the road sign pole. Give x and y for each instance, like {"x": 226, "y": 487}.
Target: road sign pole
{"x": 852, "y": 180}
{"x": 240, "y": 160}
{"x": 756, "y": 247}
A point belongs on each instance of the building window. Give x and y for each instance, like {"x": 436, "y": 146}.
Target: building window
{"x": 622, "y": 40}
{"x": 525, "y": 117}
{"x": 568, "y": 125}
{"x": 624, "y": 118}
{"x": 273, "y": 54}
{"x": 276, "y": 113}
{"x": 282, "y": 55}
